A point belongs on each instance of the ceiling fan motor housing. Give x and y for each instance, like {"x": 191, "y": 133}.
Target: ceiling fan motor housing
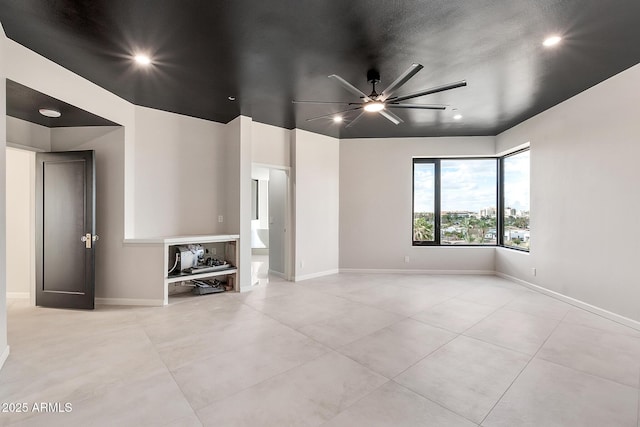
{"x": 373, "y": 76}
{"x": 382, "y": 103}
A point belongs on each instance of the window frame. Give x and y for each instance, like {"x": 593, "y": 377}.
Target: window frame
{"x": 502, "y": 203}
{"x": 437, "y": 200}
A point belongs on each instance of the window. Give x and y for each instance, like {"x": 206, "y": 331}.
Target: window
{"x": 424, "y": 201}
{"x": 455, "y": 201}
{"x": 515, "y": 182}
{"x": 469, "y": 201}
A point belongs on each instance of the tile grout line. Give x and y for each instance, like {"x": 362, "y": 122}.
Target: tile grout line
{"x": 585, "y": 372}
{"x": 383, "y": 309}
{"x": 522, "y": 370}
{"x": 297, "y": 329}
{"x": 358, "y": 400}
{"x": 437, "y": 403}
{"x": 155, "y": 350}
{"x": 463, "y": 333}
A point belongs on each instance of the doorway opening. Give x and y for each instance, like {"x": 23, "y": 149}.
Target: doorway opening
{"x": 270, "y": 236}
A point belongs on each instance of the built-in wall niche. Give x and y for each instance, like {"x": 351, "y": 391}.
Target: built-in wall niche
{"x": 200, "y": 265}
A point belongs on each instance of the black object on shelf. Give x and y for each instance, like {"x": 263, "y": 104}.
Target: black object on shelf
{"x": 204, "y": 287}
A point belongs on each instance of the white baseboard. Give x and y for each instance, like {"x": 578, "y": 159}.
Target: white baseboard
{"x": 414, "y": 271}
{"x": 18, "y": 295}
{"x": 4, "y": 356}
{"x": 130, "y": 301}
{"x": 575, "y": 302}
{"x": 315, "y": 275}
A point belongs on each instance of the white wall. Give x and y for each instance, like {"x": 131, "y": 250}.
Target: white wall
{"x": 270, "y": 145}
{"x": 584, "y": 196}
{"x": 317, "y": 203}
{"x": 376, "y": 200}
{"x": 4, "y": 348}
{"x": 21, "y": 133}
{"x": 238, "y": 199}
{"x": 180, "y": 180}
{"x": 20, "y": 222}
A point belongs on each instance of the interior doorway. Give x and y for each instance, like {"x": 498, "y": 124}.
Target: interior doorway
{"x": 29, "y": 132}
{"x": 270, "y": 236}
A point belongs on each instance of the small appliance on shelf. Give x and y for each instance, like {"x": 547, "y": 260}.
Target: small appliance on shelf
{"x": 190, "y": 259}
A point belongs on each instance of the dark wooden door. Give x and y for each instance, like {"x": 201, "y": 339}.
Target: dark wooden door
{"x": 65, "y": 229}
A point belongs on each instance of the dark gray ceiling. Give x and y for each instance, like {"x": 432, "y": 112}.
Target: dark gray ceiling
{"x": 268, "y": 53}
{"x": 24, "y": 103}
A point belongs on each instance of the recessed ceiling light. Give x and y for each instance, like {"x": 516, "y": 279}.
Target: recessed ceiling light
{"x": 231, "y": 98}
{"x": 48, "y": 112}
{"x": 374, "y": 106}
{"x": 142, "y": 59}
{"x": 551, "y": 41}
{"x": 457, "y": 116}
{"x": 337, "y": 119}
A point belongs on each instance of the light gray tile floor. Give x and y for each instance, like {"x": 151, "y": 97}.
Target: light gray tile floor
{"x": 342, "y": 350}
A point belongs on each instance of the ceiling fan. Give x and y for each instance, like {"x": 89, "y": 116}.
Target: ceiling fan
{"x": 381, "y": 102}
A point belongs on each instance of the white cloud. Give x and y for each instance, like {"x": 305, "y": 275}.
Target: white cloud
{"x": 468, "y": 184}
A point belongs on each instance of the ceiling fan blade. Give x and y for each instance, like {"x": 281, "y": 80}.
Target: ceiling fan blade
{"x": 417, "y": 106}
{"x": 436, "y": 89}
{"x": 351, "y": 88}
{"x": 404, "y": 77}
{"x": 358, "y": 117}
{"x": 332, "y": 114}
{"x": 392, "y": 117}
{"x": 321, "y": 102}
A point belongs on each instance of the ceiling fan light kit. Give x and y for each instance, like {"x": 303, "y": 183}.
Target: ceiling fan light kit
{"x": 381, "y": 102}
{"x": 373, "y": 106}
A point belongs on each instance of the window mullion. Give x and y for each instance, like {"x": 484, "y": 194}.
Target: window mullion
{"x": 437, "y": 213}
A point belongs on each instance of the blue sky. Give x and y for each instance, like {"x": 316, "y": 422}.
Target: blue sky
{"x": 471, "y": 184}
